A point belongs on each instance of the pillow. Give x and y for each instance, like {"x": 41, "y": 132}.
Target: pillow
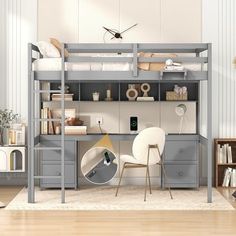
{"x": 57, "y": 44}
{"x": 144, "y": 65}
{"x": 47, "y": 49}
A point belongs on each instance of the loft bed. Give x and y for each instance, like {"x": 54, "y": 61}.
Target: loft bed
{"x": 120, "y": 62}
{"x": 116, "y": 63}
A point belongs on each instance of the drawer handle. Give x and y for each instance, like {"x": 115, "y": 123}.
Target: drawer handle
{"x": 180, "y": 173}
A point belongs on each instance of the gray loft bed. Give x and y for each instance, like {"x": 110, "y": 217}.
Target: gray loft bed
{"x": 200, "y": 53}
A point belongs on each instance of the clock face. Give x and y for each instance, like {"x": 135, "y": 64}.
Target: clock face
{"x": 112, "y": 37}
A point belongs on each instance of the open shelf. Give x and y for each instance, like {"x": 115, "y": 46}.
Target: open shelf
{"x": 83, "y": 91}
{"x": 220, "y": 168}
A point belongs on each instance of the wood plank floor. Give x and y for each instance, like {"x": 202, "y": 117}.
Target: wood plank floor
{"x": 164, "y": 223}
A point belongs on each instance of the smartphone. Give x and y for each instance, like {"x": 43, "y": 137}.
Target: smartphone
{"x": 133, "y": 123}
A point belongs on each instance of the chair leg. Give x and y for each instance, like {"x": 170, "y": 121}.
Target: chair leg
{"x": 164, "y": 172}
{"x": 150, "y": 188}
{"x": 120, "y": 179}
{"x": 145, "y": 193}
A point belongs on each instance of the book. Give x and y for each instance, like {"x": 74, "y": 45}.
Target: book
{"x": 50, "y": 123}
{"x": 145, "y": 99}
{"x": 229, "y": 154}
{"x": 58, "y": 96}
{"x": 76, "y": 130}
{"x": 41, "y": 124}
{"x": 224, "y": 154}
{"x": 233, "y": 178}
{"x": 44, "y": 124}
{"x": 227, "y": 177}
{"x": 219, "y": 154}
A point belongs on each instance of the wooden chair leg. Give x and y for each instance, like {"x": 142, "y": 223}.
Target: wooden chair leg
{"x": 164, "y": 172}
{"x": 120, "y": 179}
{"x": 150, "y": 188}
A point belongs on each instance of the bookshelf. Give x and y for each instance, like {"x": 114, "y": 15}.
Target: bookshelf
{"x": 220, "y": 168}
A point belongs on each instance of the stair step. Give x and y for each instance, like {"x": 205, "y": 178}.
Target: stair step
{"x": 47, "y": 177}
{"x": 47, "y": 148}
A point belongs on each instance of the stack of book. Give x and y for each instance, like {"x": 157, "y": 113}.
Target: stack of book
{"x": 229, "y": 178}
{"x": 58, "y": 97}
{"x": 145, "y": 99}
{"x": 224, "y": 154}
{"x": 49, "y": 127}
{"x": 75, "y": 130}
{"x": 46, "y": 126}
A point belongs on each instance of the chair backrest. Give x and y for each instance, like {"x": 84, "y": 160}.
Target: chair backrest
{"x": 149, "y": 136}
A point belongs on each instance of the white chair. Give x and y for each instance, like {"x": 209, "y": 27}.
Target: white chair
{"x": 147, "y": 150}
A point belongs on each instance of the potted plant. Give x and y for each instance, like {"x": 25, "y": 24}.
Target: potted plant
{"x": 6, "y": 118}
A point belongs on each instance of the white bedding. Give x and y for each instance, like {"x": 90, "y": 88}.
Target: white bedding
{"x": 54, "y": 64}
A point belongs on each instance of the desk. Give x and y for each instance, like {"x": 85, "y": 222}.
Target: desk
{"x": 181, "y": 158}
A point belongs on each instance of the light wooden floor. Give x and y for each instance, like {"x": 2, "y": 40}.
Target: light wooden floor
{"x": 187, "y": 223}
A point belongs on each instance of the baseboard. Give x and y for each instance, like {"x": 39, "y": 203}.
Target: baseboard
{"x": 13, "y": 181}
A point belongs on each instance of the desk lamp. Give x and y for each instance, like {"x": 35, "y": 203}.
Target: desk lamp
{"x": 180, "y": 111}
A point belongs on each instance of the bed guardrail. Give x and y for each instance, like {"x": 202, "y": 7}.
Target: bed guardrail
{"x": 130, "y": 53}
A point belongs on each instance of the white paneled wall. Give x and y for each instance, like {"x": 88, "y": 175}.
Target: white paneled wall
{"x": 59, "y": 19}
{"x": 219, "y": 20}
{"x": 158, "y": 20}
{"x": 18, "y": 18}
{"x": 2, "y": 54}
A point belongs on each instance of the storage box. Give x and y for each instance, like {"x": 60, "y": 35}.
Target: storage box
{"x": 173, "y": 96}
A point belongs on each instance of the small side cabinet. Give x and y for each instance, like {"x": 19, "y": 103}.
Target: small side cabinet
{"x": 50, "y": 164}
{"x": 181, "y": 161}
{"x": 12, "y": 159}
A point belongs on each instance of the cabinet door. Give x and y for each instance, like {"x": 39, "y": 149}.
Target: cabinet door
{"x": 55, "y": 155}
{"x": 180, "y": 151}
{"x": 55, "y": 170}
{"x": 180, "y": 174}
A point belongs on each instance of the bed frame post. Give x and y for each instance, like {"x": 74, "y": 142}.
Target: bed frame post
{"x": 209, "y": 125}
{"x": 30, "y": 128}
{"x": 135, "y": 59}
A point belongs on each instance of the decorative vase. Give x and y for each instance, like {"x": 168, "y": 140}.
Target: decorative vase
{"x": 4, "y": 136}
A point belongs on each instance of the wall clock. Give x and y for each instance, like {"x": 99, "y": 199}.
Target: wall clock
{"x": 113, "y": 35}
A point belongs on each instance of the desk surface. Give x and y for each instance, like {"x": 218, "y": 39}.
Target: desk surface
{"x": 116, "y": 137}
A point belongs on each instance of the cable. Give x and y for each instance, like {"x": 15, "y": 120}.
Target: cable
{"x": 99, "y": 125}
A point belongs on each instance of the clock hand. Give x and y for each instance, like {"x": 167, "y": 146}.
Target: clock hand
{"x": 110, "y": 31}
{"x": 129, "y": 28}
{"x": 125, "y": 31}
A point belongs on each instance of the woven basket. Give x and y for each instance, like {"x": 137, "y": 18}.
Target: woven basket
{"x": 173, "y": 96}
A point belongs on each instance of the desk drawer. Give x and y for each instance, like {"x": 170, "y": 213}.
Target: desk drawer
{"x": 54, "y": 170}
{"x": 181, "y": 174}
{"x": 181, "y": 151}
{"x": 55, "y": 155}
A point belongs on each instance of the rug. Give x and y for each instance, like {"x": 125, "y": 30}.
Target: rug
{"x": 129, "y": 198}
